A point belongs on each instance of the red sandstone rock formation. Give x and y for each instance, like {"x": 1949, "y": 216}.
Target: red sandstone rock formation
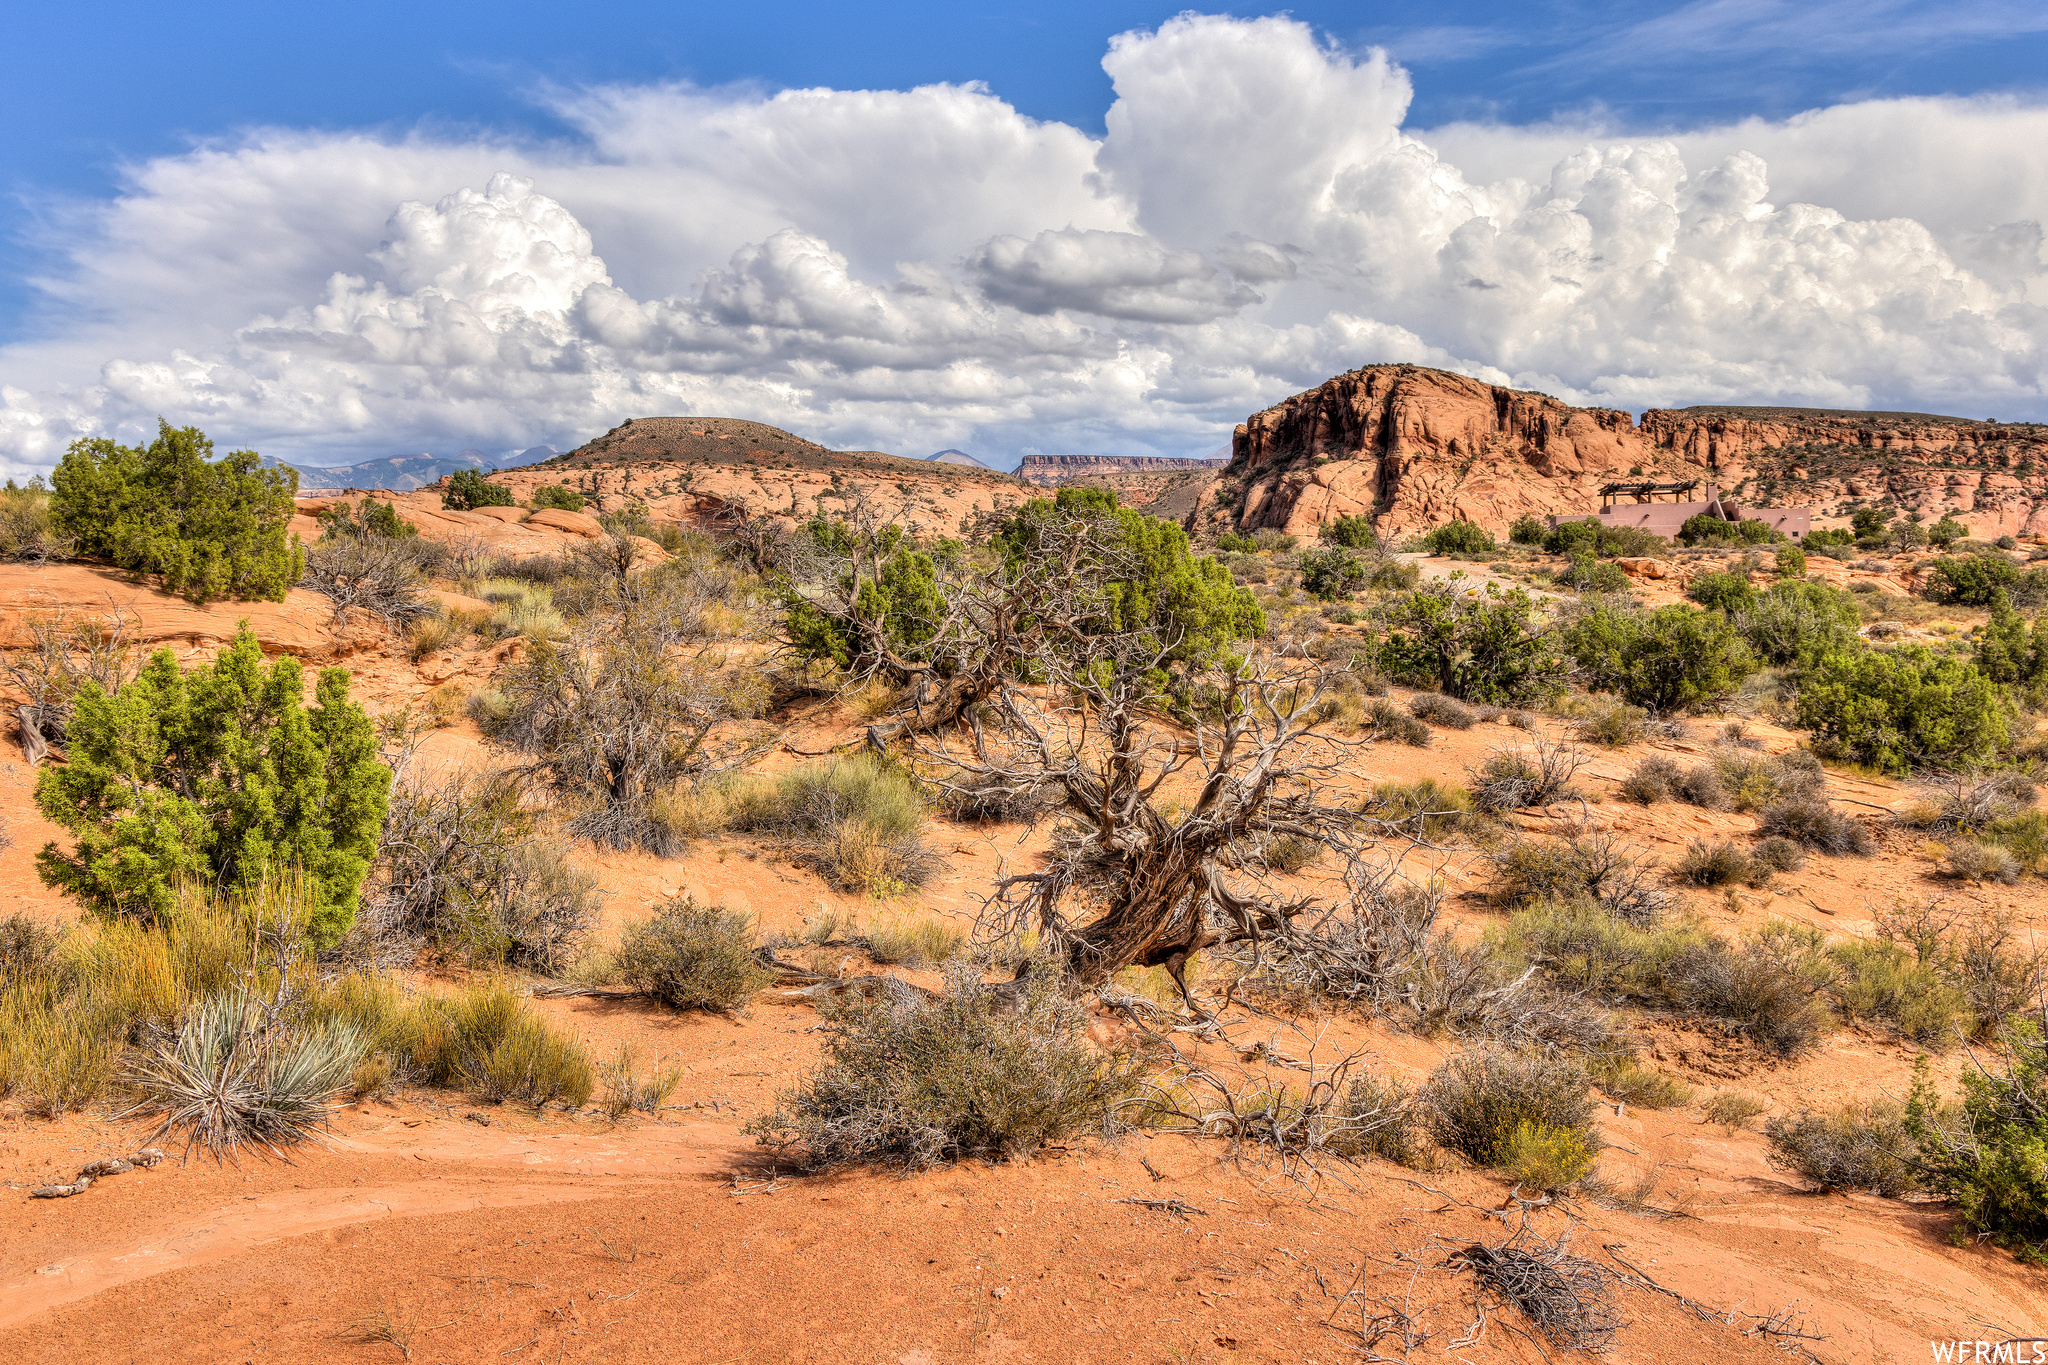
{"x": 1415, "y": 447}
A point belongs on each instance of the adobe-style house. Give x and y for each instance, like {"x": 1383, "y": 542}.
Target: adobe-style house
{"x": 1644, "y": 509}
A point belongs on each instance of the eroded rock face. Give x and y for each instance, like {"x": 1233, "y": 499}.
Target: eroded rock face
{"x": 1415, "y": 447}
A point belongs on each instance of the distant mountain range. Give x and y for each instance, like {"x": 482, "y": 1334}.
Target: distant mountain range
{"x": 959, "y": 457}
{"x": 403, "y": 473}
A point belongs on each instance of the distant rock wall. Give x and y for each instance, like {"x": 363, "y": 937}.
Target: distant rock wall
{"x": 1413, "y": 448}
{"x": 1055, "y": 469}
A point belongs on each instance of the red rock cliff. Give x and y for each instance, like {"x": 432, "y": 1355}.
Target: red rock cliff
{"x": 1415, "y": 447}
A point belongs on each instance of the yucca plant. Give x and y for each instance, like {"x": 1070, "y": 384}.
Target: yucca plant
{"x": 235, "y": 1071}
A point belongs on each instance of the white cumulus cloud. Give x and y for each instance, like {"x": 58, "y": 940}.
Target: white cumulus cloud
{"x": 916, "y": 269}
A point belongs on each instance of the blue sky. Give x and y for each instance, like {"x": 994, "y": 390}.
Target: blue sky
{"x": 92, "y": 93}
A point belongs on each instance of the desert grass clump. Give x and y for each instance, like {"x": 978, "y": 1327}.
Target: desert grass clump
{"x": 983, "y": 1070}
{"x": 1857, "y": 1147}
{"x": 915, "y": 940}
{"x": 1734, "y": 1108}
{"x": 1387, "y": 721}
{"x": 1723, "y": 864}
{"x": 1613, "y": 724}
{"x": 626, "y": 1090}
{"x": 692, "y": 958}
{"x": 1438, "y": 709}
{"x": 428, "y": 635}
{"x": 1290, "y": 853}
{"x": 1624, "y": 1079}
{"x": 1884, "y": 982}
{"x": 1425, "y": 807}
{"x": 1518, "y": 779}
{"x": 858, "y": 819}
{"x": 1475, "y": 1103}
{"x": 490, "y": 1043}
{"x": 1809, "y": 819}
{"x": 236, "y": 1071}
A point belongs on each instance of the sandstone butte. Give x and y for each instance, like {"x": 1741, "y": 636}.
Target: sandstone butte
{"x": 1416, "y": 447}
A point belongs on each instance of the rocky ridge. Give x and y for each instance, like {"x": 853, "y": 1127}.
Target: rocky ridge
{"x": 1414, "y": 447}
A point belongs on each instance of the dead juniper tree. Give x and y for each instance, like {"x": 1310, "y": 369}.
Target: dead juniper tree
{"x": 644, "y": 695}
{"x": 64, "y": 654}
{"x": 946, "y": 621}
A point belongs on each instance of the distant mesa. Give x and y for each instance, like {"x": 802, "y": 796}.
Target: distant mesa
{"x": 1412, "y": 448}
{"x": 1057, "y": 469}
{"x": 735, "y": 441}
{"x": 959, "y": 457}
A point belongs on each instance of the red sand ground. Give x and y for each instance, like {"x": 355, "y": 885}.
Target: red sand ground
{"x": 509, "y": 1237}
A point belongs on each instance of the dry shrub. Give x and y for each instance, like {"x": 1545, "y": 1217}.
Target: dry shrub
{"x": 28, "y": 948}
{"x": 982, "y": 1070}
{"x": 692, "y": 958}
{"x": 1705, "y": 864}
{"x": 1734, "y": 1108}
{"x": 462, "y": 867}
{"x": 1649, "y": 782}
{"x": 1779, "y": 854}
{"x": 1767, "y": 994}
{"x": 1437, "y": 709}
{"x": 1970, "y": 805}
{"x": 985, "y": 798}
{"x": 1595, "y": 866}
{"x": 1382, "y": 950}
{"x": 1378, "y": 1117}
{"x": 1973, "y": 860}
{"x": 1566, "y": 1297}
{"x": 1701, "y": 786}
{"x": 1521, "y": 778}
{"x": 1387, "y": 721}
{"x": 1857, "y": 1147}
{"x": 378, "y": 574}
{"x": 1474, "y": 1103}
{"x": 1613, "y": 724}
{"x": 1810, "y": 820}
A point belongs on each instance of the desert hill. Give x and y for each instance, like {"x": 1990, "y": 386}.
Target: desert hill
{"x": 1415, "y": 447}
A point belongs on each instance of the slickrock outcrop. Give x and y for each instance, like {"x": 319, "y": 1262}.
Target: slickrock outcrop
{"x": 1415, "y": 447}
